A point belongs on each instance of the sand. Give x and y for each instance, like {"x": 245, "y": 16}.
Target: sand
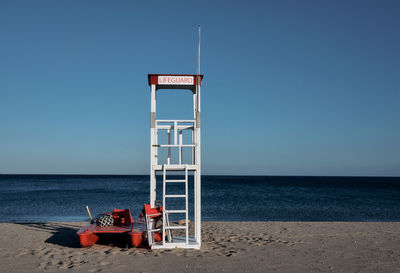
{"x": 227, "y": 247}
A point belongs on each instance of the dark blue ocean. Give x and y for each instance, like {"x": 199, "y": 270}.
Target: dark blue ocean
{"x": 38, "y": 198}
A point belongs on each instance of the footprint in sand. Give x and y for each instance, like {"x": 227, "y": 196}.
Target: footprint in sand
{"x": 69, "y": 265}
{"x": 108, "y": 251}
{"x": 230, "y": 253}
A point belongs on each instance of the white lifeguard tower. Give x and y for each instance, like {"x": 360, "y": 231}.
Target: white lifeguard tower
{"x": 176, "y": 171}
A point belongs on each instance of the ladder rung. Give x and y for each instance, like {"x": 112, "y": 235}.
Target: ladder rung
{"x": 175, "y": 181}
{"x": 175, "y": 211}
{"x": 175, "y": 227}
{"x": 155, "y": 230}
{"x": 176, "y": 195}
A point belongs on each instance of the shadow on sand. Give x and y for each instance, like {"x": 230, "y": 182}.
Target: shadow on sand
{"x": 64, "y": 234}
{"x": 61, "y": 234}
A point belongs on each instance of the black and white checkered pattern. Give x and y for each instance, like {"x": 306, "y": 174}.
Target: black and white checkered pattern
{"x": 105, "y": 220}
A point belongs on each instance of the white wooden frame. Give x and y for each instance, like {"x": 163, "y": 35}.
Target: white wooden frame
{"x": 174, "y": 130}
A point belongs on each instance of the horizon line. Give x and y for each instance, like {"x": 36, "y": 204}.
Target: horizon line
{"x": 269, "y": 175}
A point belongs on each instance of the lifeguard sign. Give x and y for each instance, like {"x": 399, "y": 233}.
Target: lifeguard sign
{"x": 176, "y": 170}
{"x": 174, "y": 81}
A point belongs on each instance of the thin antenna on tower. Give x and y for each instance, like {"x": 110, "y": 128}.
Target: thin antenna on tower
{"x": 198, "y": 54}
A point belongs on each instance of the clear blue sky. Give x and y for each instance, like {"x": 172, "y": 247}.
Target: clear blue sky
{"x": 290, "y": 88}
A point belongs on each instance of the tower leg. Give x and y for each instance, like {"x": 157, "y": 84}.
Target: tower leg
{"x": 197, "y": 206}
{"x": 153, "y": 148}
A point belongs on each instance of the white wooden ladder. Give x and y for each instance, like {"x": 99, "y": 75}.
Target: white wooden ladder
{"x": 167, "y": 227}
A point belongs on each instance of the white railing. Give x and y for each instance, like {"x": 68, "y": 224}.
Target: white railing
{"x": 175, "y": 130}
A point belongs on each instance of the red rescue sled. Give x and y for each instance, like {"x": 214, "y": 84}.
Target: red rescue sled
{"x": 124, "y": 225}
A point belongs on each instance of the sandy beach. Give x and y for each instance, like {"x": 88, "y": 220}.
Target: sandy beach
{"x": 227, "y": 247}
